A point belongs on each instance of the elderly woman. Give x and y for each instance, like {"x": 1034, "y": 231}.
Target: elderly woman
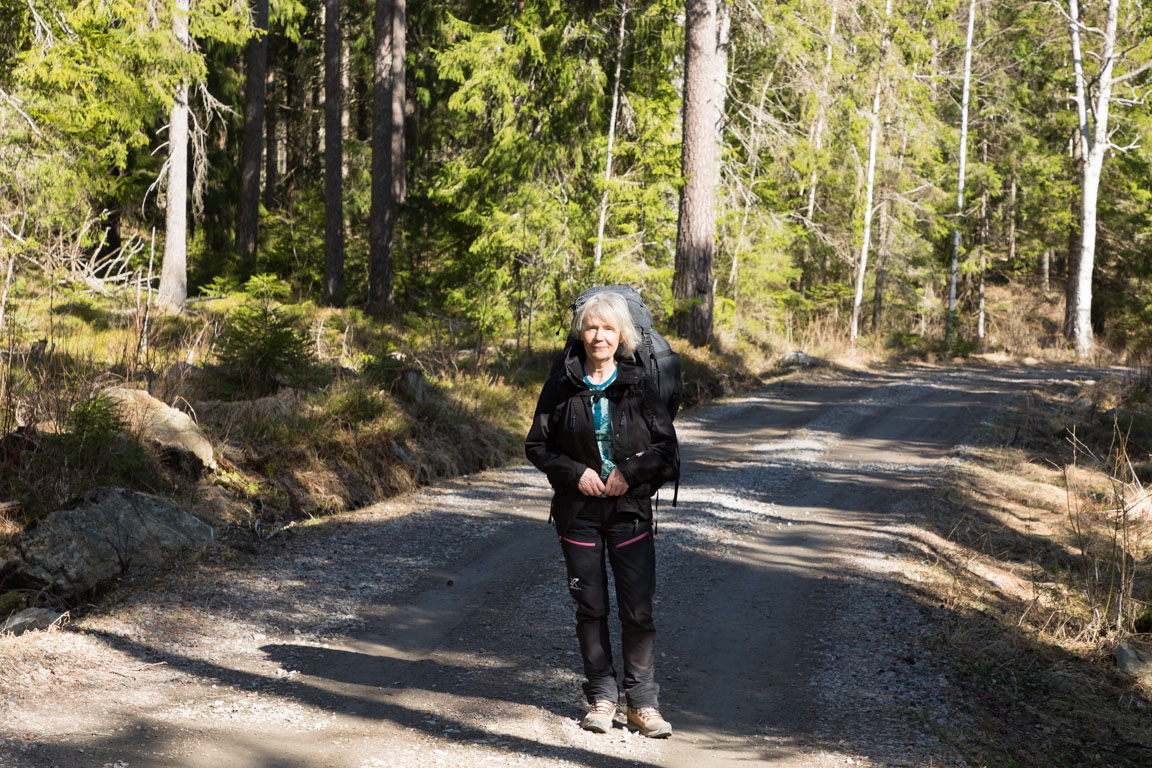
{"x": 604, "y": 438}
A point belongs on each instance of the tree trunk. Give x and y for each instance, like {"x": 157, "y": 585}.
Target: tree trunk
{"x": 1079, "y": 154}
{"x": 870, "y": 181}
{"x": 1072, "y": 263}
{"x": 333, "y": 158}
{"x": 1045, "y": 268}
{"x": 251, "y": 150}
{"x": 705, "y": 63}
{"x": 983, "y": 242}
{"x": 271, "y": 141}
{"x": 881, "y": 266}
{"x": 399, "y": 100}
{"x": 387, "y": 148}
{"x": 951, "y": 328}
{"x": 1012, "y": 194}
{"x": 611, "y": 135}
{"x": 1090, "y": 188}
{"x": 173, "y": 290}
{"x": 315, "y": 119}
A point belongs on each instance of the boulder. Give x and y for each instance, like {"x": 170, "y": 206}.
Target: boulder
{"x": 154, "y": 420}
{"x": 796, "y": 357}
{"x": 1136, "y": 660}
{"x": 29, "y": 619}
{"x": 108, "y": 532}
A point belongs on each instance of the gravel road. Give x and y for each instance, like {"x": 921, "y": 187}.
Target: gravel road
{"x": 436, "y": 630}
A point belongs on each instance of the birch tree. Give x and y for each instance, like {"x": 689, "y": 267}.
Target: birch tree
{"x": 870, "y": 176}
{"x": 951, "y": 331}
{"x": 1095, "y": 139}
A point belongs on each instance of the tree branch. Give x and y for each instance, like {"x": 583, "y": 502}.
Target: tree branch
{"x": 14, "y": 103}
{"x": 1134, "y": 73}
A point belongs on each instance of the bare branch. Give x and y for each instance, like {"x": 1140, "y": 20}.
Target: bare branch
{"x": 15, "y": 104}
{"x": 1134, "y": 73}
{"x": 12, "y": 234}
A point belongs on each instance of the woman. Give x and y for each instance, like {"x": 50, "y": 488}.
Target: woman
{"x": 604, "y": 438}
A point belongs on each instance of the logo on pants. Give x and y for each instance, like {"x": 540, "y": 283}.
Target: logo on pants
{"x": 574, "y": 584}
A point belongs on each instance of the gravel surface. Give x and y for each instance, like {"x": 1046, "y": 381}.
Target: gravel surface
{"x": 436, "y": 630}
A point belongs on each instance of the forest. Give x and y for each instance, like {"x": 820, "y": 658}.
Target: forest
{"x": 872, "y": 169}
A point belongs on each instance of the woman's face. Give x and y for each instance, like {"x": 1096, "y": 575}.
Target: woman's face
{"x": 601, "y": 339}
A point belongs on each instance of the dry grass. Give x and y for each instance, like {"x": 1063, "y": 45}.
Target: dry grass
{"x": 1038, "y": 553}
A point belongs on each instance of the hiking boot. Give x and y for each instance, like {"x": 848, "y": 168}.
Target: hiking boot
{"x": 600, "y": 716}
{"x": 648, "y": 721}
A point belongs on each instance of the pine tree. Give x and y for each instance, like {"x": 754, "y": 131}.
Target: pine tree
{"x": 705, "y": 81}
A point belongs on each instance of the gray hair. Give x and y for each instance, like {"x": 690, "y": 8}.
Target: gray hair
{"x": 612, "y": 308}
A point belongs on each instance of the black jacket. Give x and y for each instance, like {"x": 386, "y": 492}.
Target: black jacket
{"x": 562, "y": 440}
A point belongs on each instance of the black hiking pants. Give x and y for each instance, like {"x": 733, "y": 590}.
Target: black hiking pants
{"x": 598, "y": 532}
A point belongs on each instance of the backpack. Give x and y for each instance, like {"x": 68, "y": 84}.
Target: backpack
{"x": 660, "y": 362}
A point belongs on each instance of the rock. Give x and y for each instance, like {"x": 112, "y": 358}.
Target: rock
{"x": 796, "y": 357}
{"x": 1136, "y": 660}
{"x": 154, "y": 420}
{"x": 110, "y": 531}
{"x": 29, "y": 619}
{"x": 411, "y": 383}
{"x": 1082, "y": 404}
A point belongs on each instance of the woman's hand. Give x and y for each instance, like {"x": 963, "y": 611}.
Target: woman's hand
{"x": 590, "y": 483}
{"x": 616, "y": 485}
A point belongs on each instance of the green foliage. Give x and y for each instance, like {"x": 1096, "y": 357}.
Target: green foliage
{"x": 94, "y": 426}
{"x": 92, "y": 449}
{"x": 267, "y": 288}
{"x": 260, "y": 350}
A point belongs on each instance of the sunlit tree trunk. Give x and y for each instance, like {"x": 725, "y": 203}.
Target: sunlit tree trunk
{"x": 1013, "y": 191}
{"x": 706, "y": 64}
{"x": 387, "y": 148}
{"x": 951, "y": 331}
{"x": 1090, "y": 187}
{"x": 983, "y": 239}
{"x": 173, "y": 290}
{"x": 870, "y": 181}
